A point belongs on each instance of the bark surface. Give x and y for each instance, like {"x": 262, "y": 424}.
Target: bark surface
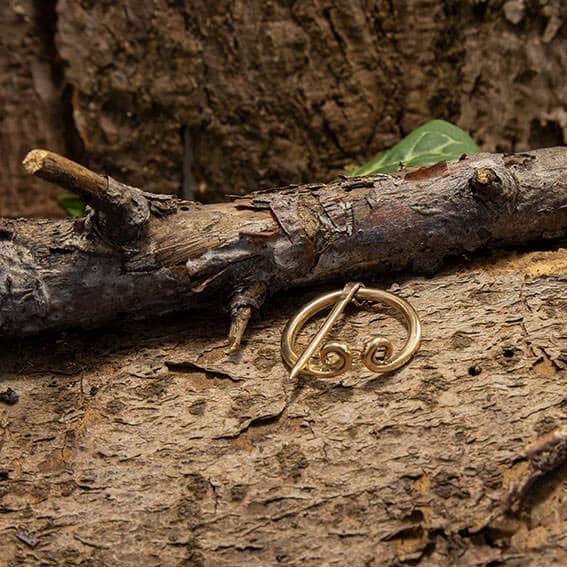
{"x": 215, "y": 98}
{"x": 289, "y": 92}
{"x": 31, "y": 104}
{"x": 152, "y": 443}
{"x": 147, "y": 445}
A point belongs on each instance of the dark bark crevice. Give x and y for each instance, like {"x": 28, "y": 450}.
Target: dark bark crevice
{"x": 46, "y": 22}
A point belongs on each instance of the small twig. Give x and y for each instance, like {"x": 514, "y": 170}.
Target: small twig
{"x": 239, "y": 322}
{"x": 122, "y": 212}
{"x": 245, "y": 300}
{"x": 544, "y": 456}
{"x": 66, "y": 173}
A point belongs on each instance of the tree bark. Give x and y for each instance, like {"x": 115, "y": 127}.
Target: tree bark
{"x": 142, "y": 254}
{"x": 242, "y": 94}
{"x": 291, "y": 92}
{"x": 149, "y": 444}
{"x": 31, "y": 104}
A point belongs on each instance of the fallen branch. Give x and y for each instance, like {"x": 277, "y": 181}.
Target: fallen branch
{"x": 143, "y": 254}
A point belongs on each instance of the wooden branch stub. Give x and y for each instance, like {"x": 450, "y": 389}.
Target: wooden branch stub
{"x": 66, "y": 173}
{"x": 121, "y": 211}
{"x": 245, "y": 300}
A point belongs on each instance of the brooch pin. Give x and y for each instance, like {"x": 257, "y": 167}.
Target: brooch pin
{"x": 336, "y": 357}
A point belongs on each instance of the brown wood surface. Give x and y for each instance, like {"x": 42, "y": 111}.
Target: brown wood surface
{"x": 151, "y": 443}
{"x": 281, "y": 92}
{"x": 148, "y": 444}
{"x": 31, "y": 104}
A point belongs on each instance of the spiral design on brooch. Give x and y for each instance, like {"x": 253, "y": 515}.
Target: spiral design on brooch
{"x": 335, "y": 357}
{"x": 372, "y": 351}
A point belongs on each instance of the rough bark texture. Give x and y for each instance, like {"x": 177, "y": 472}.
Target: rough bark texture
{"x": 150, "y": 446}
{"x": 243, "y": 94}
{"x": 141, "y": 253}
{"x": 30, "y": 104}
{"x": 281, "y": 92}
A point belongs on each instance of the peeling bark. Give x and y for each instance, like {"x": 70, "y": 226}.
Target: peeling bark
{"x": 142, "y": 253}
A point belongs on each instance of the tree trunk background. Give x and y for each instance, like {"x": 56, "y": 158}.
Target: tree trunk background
{"x": 146, "y": 444}
{"x": 212, "y": 98}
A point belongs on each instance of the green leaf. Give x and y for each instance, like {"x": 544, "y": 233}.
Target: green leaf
{"x": 72, "y": 205}
{"x": 431, "y": 143}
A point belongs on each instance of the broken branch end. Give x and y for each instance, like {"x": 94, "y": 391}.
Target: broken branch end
{"x": 34, "y": 160}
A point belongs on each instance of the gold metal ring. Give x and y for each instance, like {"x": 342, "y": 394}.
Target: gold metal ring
{"x": 336, "y": 357}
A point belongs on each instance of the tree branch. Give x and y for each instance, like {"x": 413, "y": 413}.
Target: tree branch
{"x": 143, "y": 254}
{"x": 123, "y": 211}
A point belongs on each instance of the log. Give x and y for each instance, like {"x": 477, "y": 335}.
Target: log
{"x": 143, "y": 254}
